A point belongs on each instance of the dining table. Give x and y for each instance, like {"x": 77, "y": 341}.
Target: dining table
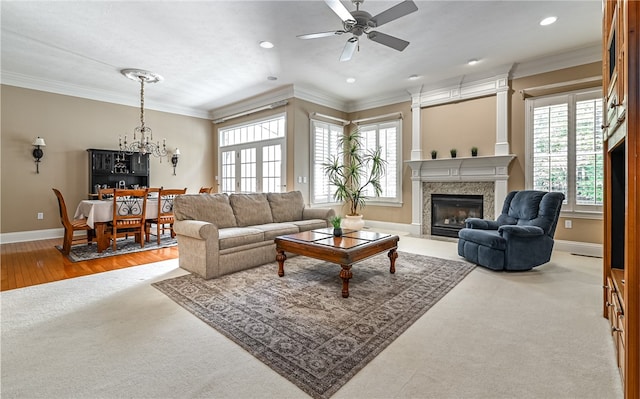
{"x": 99, "y": 213}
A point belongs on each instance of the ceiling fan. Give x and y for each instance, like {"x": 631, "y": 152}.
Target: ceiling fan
{"x": 361, "y": 22}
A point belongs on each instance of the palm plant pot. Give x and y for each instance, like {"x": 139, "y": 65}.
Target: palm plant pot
{"x": 353, "y": 222}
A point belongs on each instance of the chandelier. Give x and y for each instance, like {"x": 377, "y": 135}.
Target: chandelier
{"x": 144, "y": 144}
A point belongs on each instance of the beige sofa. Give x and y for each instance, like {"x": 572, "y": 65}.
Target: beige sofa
{"x": 220, "y": 234}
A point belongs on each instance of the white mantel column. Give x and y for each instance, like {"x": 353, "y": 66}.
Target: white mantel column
{"x": 502, "y": 116}
{"x": 502, "y": 139}
{"x": 416, "y": 155}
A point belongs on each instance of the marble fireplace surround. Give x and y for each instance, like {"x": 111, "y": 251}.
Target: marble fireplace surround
{"x": 486, "y": 176}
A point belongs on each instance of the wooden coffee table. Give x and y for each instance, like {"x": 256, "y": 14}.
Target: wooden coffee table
{"x": 352, "y": 247}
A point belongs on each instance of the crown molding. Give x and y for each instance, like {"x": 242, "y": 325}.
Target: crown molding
{"x": 319, "y": 98}
{"x": 260, "y": 100}
{"x": 567, "y": 59}
{"x": 68, "y": 89}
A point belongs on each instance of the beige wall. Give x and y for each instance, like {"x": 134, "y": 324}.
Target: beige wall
{"x": 461, "y": 126}
{"x": 70, "y": 126}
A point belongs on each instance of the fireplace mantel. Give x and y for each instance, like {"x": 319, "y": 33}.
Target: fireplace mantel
{"x": 487, "y": 168}
{"x": 493, "y": 168}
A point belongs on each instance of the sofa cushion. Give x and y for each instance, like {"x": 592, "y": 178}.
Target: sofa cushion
{"x": 251, "y": 209}
{"x": 286, "y": 207}
{"x": 310, "y": 224}
{"x": 211, "y": 208}
{"x": 238, "y": 236}
{"x": 272, "y": 230}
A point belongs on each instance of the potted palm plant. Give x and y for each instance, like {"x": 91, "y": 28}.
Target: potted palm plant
{"x": 352, "y": 171}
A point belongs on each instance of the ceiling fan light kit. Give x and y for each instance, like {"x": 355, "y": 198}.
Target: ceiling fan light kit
{"x": 360, "y": 23}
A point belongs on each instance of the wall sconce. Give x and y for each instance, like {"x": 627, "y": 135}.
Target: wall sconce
{"x": 37, "y": 151}
{"x": 174, "y": 160}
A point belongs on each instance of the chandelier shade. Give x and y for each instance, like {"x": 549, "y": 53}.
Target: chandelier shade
{"x": 142, "y": 135}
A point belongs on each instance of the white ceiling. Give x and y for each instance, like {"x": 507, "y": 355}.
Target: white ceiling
{"x": 208, "y": 51}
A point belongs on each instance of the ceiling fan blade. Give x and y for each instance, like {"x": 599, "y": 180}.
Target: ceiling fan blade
{"x": 320, "y": 34}
{"x": 340, "y": 9}
{"x": 349, "y": 49}
{"x": 388, "y": 40}
{"x": 395, "y": 12}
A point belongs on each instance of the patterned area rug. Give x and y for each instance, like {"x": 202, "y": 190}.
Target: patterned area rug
{"x": 82, "y": 252}
{"x": 299, "y": 324}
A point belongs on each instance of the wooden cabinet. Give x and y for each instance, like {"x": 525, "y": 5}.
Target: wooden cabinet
{"x": 113, "y": 167}
{"x": 621, "y": 134}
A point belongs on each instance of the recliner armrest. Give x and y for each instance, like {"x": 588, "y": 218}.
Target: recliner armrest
{"x": 521, "y": 231}
{"x": 481, "y": 224}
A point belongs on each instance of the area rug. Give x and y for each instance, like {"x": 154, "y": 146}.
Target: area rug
{"x": 83, "y": 252}
{"x": 300, "y": 326}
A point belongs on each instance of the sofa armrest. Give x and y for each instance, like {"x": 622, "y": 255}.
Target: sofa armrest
{"x": 481, "y": 224}
{"x": 520, "y": 231}
{"x": 317, "y": 213}
{"x": 196, "y": 229}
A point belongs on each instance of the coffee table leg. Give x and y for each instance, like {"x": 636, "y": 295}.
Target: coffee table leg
{"x": 281, "y": 257}
{"x": 393, "y": 255}
{"x": 345, "y": 275}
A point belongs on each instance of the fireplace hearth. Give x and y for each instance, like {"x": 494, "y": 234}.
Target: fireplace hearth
{"x": 449, "y": 211}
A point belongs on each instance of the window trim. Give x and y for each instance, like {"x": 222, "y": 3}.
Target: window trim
{"x": 396, "y": 201}
{"x": 569, "y": 207}
{"x": 258, "y": 145}
{"x": 312, "y": 152}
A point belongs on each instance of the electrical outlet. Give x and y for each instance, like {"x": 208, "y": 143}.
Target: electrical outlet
{"x": 568, "y": 224}
{"x": 40, "y": 215}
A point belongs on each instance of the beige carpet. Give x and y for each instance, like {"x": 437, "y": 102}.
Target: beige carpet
{"x": 301, "y": 326}
{"x": 537, "y": 334}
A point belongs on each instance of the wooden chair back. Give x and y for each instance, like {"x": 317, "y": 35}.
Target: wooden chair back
{"x": 205, "y": 190}
{"x": 165, "y": 212}
{"x": 71, "y": 226}
{"x": 105, "y": 193}
{"x": 129, "y": 212}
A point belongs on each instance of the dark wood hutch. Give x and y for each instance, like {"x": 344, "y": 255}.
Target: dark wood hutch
{"x": 114, "y": 168}
{"x": 621, "y": 134}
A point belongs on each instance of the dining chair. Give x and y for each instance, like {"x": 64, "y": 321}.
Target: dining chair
{"x": 205, "y": 190}
{"x": 165, "y": 213}
{"x": 71, "y": 226}
{"x": 105, "y": 193}
{"x": 129, "y": 210}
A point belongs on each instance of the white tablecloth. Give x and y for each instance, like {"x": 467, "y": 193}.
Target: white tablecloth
{"x": 102, "y": 210}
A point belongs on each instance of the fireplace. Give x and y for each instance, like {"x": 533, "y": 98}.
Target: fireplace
{"x": 449, "y": 211}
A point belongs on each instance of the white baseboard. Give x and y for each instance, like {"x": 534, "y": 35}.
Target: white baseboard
{"x": 33, "y": 235}
{"x": 574, "y": 247}
{"x": 579, "y": 248}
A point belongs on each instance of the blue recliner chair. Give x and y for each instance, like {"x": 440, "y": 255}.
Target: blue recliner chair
{"x": 522, "y": 236}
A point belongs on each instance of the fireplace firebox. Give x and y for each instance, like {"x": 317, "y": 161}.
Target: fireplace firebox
{"x": 449, "y": 211}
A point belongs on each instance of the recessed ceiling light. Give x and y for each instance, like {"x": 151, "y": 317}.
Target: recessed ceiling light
{"x": 548, "y": 21}
{"x": 272, "y": 78}
{"x": 414, "y": 77}
{"x": 351, "y": 80}
{"x": 473, "y": 62}
{"x": 265, "y": 44}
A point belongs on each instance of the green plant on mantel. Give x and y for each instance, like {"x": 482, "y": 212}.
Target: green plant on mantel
{"x": 474, "y": 151}
{"x": 353, "y": 170}
{"x": 434, "y": 154}
{"x": 453, "y": 152}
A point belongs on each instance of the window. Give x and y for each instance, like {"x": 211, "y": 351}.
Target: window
{"x": 386, "y": 135}
{"x": 324, "y": 143}
{"x": 564, "y": 148}
{"x": 251, "y": 156}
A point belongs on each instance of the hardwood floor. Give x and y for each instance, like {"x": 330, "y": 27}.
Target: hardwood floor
{"x": 36, "y": 262}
